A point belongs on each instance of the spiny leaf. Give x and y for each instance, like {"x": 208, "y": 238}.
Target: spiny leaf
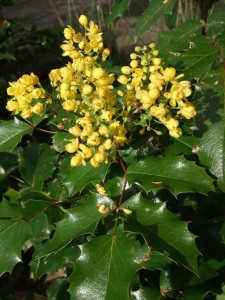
{"x": 179, "y": 39}
{"x": 151, "y": 14}
{"x": 199, "y": 57}
{"x": 13, "y": 235}
{"x": 11, "y": 133}
{"x": 163, "y": 230}
{"x": 212, "y": 150}
{"x": 118, "y": 10}
{"x": 77, "y": 221}
{"x": 36, "y": 164}
{"x": 172, "y": 172}
{"x": 54, "y": 261}
{"x": 76, "y": 178}
{"x": 105, "y": 268}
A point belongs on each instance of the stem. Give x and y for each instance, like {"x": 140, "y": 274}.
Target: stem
{"x": 45, "y": 130}
{"x": 125, "y": 179}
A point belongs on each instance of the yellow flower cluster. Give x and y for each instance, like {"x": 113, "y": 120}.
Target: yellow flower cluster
{"x": 85, "y": 90}
{"x": 23, "y": 92}
{"x": 155, "y": 91}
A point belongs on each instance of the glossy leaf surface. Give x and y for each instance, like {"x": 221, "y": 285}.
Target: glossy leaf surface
{"x": 11, "y": 133}
{"x": 105, "y": 268}
{"x": 172, "y": 172}
{"x": 163, "y": 230}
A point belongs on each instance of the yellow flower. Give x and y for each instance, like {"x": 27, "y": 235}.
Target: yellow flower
{"x": 76, "y": 160}
{"x": 37, "y": 108}
{"x": 13, "y": 105}
{"x": 69, "y": 105}
{"x": 93, "y": 139}
{"x": 83, "y": 20}
{"x": 188, "y": 110}
{"x": 72, "y": 147}
{"x": 100, "y": 189}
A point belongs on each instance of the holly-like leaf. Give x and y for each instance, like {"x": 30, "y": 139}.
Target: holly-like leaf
{"x": 171, "y": 172}
{"x": 163, "y": 230}
{"x": 13, "y": 235}
{"x": 60, "y": 139}
{"x": 54, "y": 261}
{"x": 11, "y": 133}
{"x": 105, "y": 268}
{"x": 151, "y": 14}
{"x": 76, "y": 178}
{"x": 118, "y": 10}
{"x": 36, "y": 164}
{"x": 211, "y": 152}
{"x": 77, "y": 221}
{"x": 179, "y": 39}
{"x": 199, "y": 58}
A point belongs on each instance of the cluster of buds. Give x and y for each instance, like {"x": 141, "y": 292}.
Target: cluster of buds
{"x": 97, "y": 125}
{"x": 26, "y": 95}
{"x": 156, "y": 92}
{"x": 85, "y": 89}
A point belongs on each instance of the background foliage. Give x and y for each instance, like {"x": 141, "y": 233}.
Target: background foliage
{"x": 54, "y": 240}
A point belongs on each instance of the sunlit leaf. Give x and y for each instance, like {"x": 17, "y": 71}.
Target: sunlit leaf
{"x": 211, "y": 152}
{"x": 11, "y": 133}
{"x": 118, "y": 10}
{"x": 76, "y": 178}
{"x": 151, "y": 14}
{"x": 105, "y": 268}
{"x": 163, "y": 230}
{"x": 172, "y": 172}
{"x": 77, "y": 221}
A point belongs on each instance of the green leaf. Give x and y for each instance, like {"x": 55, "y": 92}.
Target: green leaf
{"x": 11, "y": 133}
{"x": 36, "y": 164}
{"x": 157, "y": 261}
{"x": 163, "y": 230}
{"x": 199, "y": 57}
{"x": 7, "y": 56}
{"x": 76, "y": 178}
{"x": 211, "y": 152}
{"x": 40, "y": 227}
{"x": 171, "y": 172}
{"x": 146, "y": 293}
{"x": 151, "y": 14}
{"x": 54, "y": 262}
{"x": 9, "y": 210}
{"x": 13, "y": 235}
{"x": 77, "y": 221}
{"x": 177, "y": 40}
{"x": 118, "y": 10}
{"x": 105, "y": 268}
{"x": 60, "y": 139}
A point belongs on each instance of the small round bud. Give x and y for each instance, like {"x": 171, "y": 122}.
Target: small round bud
{"x": 83, "y": 20}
